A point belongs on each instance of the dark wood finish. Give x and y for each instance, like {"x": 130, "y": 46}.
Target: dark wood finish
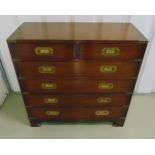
{"x": 77, "y": 100}
{"x": 119, "y": 122}
{"x": 127, "y": 51}
{"x": 34, "y": 123}
{"x": 76, "y": 113}
{"x": 76, "y": 86}
{"x": 107, "y": 32}
{"x": 26, "y": 51}
{"x": 79, "y": 69}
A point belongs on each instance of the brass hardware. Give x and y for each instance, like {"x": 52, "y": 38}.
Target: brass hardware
{"x": 108, "y": 68}
{"x": 46, "y": 69}
{"x": 20, "y": 77}
{"x": 103, "y": 100}
{"x": 138, "y": 60}
{"x": 102, "y": 112}
{"x": 16, "y": 60}
{"x": 44, "y": 51}
{"x": 52, "y": 113}
{"x": 50, "y": 100}
{"x": 128, "y": 93}
{"x": 125, "y": 106}
{"x": 49, "y": 85}
{"x": 24, "y": 93}
{"x": 104, "y": 85}
{"x": 11, "y": 41}
{"x": 114, "y": 51}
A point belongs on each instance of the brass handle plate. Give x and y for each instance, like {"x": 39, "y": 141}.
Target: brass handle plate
{"x": 52, "y": 113}
{"x": 48, "y": 85}
{"x": 110, "y": 51}
{"x": 44, "y": 51}
{"x": 104, "y": 85}
{"x": 102, "y": 112}
{"x": 50, "y": 100}
{"x": 108, "y": 68}
{"x": 46, "y": 69}
{"x": 103, "y": 100}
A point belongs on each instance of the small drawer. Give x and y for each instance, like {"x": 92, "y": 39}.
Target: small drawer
{"x": 77, "y": 100}
{"x": 76, "y": 113}
{"x": 46, "y": 51}
{"x": 76, "y": 85}
{"x": 78, "y": 68}
{"x": 112, "y": 51}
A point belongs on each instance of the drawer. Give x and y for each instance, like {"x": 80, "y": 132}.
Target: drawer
{"x": 76, "y": 85}
{"x": 40, "y": 51}
{"x": 77, "y": 100}
{"x": 76, "y": 113}
{"x": 78, "y": 68}
{"x": 112, "y": 51}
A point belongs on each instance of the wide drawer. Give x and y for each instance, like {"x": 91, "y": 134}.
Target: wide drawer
{"x": 112, "y": 51}
{"x": 76, "y": 85}
{"x": 77, "y": 100}
{"x": 78, "y": 68}
{"x": 40, "y": 51}
{"x": 76, "y": 113}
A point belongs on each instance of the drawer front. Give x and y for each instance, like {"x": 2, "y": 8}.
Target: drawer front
{"x": 77, "y": 100}
{"x": 76, "y": 113}
{"x": 78, "y": 68}
{"x": 112, "y": 51}
{"x": 41, "y": 51}
{"x": 76, "y": 85}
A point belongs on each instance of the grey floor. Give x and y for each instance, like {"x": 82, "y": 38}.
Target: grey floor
{"x": 140, "y": 123}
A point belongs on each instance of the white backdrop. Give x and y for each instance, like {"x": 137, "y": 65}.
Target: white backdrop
{"x": 3, "y": 89}
{"x": 146, "y": 24}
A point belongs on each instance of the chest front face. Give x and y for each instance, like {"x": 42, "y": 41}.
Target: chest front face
{"x": 77, "y": 71}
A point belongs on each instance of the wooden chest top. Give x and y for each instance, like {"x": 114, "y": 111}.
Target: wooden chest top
{"x": 105, "y": 32}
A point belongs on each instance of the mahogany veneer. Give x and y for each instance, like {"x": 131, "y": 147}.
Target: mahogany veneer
{"x": 77, "y": 71}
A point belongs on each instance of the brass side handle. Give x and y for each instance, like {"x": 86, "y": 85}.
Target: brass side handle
{"x": 105, "y": 85}
{"x": 108, "y": 68}
{"x": 44, "y": 51}
{"x": 53, "y": 113}
{"x": 46, "y": 69}
{"x": 110, "y": 51}
{"x": 51, "y": 100}
{"x": 48, "y": 85}
{"x": 102, "y": 112}
{"x": 103, "y": 100}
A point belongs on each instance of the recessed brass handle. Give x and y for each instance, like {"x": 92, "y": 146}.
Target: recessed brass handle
{"x": 104, "y": 85}
{"x": 46, "y": 69}
{"x": 45, "y": 51}
{"x": 108, "y": 68}
{"x": 110, "y": 51}
{"x": 103, "y": 100}
{"x": 50, "y": 100}
{"x": 53, "y": 113}
{"x": 48, "y": 85}
{"x": 102, "y": 112}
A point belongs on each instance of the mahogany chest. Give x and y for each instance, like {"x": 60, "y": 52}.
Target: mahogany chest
{"x": 77, "y": 72}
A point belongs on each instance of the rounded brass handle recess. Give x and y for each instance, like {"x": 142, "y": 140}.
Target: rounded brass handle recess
{"x": 44, "y": 51}
{"x": 103, "y": 100}
{"x": 53, "y": 113}
{"x": 48, "y": 85}
{"x": 50, "y": 100}
{"x": 46, "y": 69}
{"x": 108, "y": 68}
{"x": 102, "y": 112}
{"x": 110, "y": 51}
{"x": 104, "y": 85}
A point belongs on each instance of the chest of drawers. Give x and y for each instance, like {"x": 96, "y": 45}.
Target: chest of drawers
{"x": 71, "y": 72}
